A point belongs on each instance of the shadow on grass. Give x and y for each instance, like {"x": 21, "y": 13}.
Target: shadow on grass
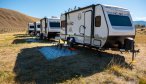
{"x": 21, "y": 35}
{"x": 32, "y": 40}
{"x": 32, "y": 67}
{"x": 19, "y": 41}
{"x": 24, "y": 38}
{"x": 21, "y": 38}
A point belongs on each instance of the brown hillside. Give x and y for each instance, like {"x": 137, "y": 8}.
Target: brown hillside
{"x": 13, "y": 21}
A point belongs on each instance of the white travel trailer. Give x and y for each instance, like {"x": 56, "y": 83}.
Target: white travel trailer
{"x": 34, "y": 28}
{"x": 31, "y": 28}
{"x": 99, "y": 26}
{"x": 50, "y": 28}
{"x": 37, "y": 28}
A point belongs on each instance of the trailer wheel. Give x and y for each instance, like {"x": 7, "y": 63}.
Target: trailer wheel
{"x": 128, "y": 44}
{"x": 70, "y": 41}
{"x": 41, "y": 36}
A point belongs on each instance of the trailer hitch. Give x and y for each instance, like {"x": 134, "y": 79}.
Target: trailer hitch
{"x": 133, "y": 51}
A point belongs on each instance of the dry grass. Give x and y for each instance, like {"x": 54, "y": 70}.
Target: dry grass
{"x": 8, "y": 54}
{"x": 142, "y": 80}
{"x": 141, "y": 36}
{"x": 13, "y": 21}
{"x": 127, "y": 74}
{"x": 20, "y": 62}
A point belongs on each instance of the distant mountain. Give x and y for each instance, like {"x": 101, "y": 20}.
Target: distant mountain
{"x": 140, "y": 22}
{"x": 13, "y": 21}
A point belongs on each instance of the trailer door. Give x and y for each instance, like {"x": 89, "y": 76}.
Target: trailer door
{"x": 87, "y": 24}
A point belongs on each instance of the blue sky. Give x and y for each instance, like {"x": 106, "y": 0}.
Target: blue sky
{"x": 41, "y": 8}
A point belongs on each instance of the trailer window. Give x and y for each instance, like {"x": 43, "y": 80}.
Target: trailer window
{"x": 97, "y": 21}
{"x": 31, "y": 26}
{"x": 117, "y": 20}
{"x": 54, "y": 24}
{"x": 63, "y": 23}
{"x": 38, "y": 26}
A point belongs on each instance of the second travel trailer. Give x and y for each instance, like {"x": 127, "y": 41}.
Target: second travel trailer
{"x": 31, "y": 28}
{"x": 99, "y": 26}
{"x": 34, "y": 28}
{"x": 50, "y": 28}
{"x": 37, "y": 28}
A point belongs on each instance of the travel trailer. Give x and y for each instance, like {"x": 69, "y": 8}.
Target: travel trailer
{"x": 37, "y": 28}
{"x": 50, "y": 28}
{"x": 34, "y": 28}
{"x": 99, "y": 26}
{"x": 31, "y": 28}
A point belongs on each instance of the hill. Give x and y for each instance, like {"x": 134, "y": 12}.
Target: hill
{"x": 13, "y": 21}
{"x": 140, "y": 23}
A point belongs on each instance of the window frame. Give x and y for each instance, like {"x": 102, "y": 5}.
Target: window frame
{"x": 119, "y": 20}
{"x": 38, "y": 26}
{"x": 52, "y": 24}
{"x": 31, "y": 26}
{"x": 98, "y": 21}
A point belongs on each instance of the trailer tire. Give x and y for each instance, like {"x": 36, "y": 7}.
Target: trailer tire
{"x": 41, "y": 36}
{"x": 71, "y": 41}
{"x": 128, "y": 44}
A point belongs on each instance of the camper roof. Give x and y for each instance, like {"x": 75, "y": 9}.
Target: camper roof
{"x": 107, "y": 6}
{"x": 38, "y": 22}
{"x": 31, "y": 23}
{"x": 51, "y": 18}
{"x": 111, "y": 6}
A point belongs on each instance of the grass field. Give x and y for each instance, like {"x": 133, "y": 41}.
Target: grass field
{"x": 22, "y": 63}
